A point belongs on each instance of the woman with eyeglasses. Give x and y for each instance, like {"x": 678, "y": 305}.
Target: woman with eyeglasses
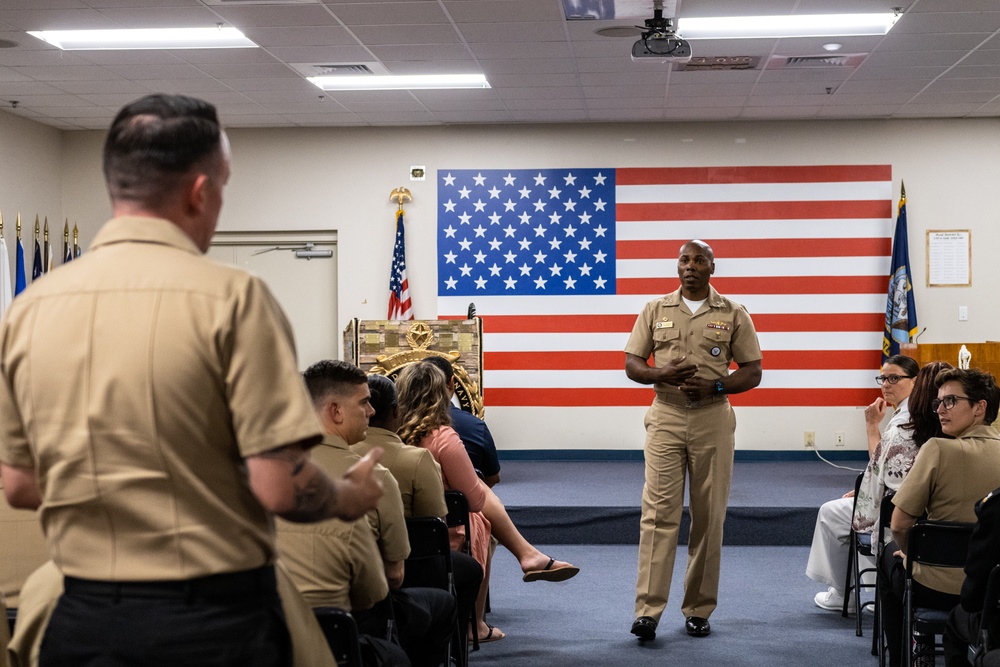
{"x": 947, "y": 478}
{"x": 891, "y": 454}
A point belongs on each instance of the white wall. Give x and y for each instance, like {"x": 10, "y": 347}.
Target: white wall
{"x": 30, "y": 177}
{"x": 340, "y": 178}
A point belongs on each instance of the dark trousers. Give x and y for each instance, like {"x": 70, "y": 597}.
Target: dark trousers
{"x": 892, "y": 584}
{"x": 467, "y": 575}
{"x": 962, "y": 630}
{"x": 221, "y": 621}
{"x": 425, "y": 618}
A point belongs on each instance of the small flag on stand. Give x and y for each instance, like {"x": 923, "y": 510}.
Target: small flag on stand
{"x": 400, "y": 307}
{"x": 900, "y": 309}
{"x": 67, "y": 248}
{"x": 47, "y": 250}
{"x": 76, "y": 243}
{"x": 20, "y": 282}
{"x": 36, "y": 265}
{"x": 6, "y": 291}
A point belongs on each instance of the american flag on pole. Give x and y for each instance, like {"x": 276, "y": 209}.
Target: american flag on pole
{"x": 559, "y": 262}
{"x": 400, "y": 307}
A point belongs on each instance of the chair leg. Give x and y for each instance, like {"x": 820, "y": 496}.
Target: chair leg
{"x": 849, "y": 575}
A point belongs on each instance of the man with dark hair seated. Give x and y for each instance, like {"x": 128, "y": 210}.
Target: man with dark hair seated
{"x": 946, "y": 480}
{"x": 473, "y": 431}
{"x": 425, "y": 616}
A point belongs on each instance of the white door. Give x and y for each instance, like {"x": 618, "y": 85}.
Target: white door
{"x": 302, "y": 277}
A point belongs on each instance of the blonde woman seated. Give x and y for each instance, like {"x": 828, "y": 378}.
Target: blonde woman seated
{"x": 424, "y": 408}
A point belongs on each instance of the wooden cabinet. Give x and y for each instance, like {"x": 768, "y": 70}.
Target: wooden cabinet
{"x": 985, "y": 356}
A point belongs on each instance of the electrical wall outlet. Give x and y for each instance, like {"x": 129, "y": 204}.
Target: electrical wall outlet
{"x": 839, "y": 439}
{"x": 809, "y": 439}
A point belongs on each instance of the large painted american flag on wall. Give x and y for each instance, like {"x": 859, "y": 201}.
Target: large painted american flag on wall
{"x": 560, "y": 261}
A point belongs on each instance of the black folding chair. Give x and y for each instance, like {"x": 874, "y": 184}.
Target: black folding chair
{"x": 989, "y": 623}
{"x": 885, "y": 518}
{"x": 429, "y": 564}
{"x": 458, "y": 515}
{"x": 934, "y": 544}
{"x": 860, "y": 544}
{"x": 341, "y": 634}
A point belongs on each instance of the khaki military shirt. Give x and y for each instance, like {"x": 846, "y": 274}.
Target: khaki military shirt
{"x": 22, "y": 550}
{"x": 333, "y": 563}
{"x": 387, "y": 520}
{"x": 135, "y": 380}
{"x": 948, "y": 477}
{"x": 415, "y": 470}
{"x": 720, "y": 333}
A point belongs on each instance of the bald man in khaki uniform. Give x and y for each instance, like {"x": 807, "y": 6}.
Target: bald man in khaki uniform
{"x": 150, "y": 405}
{"x": 693, "y": 335}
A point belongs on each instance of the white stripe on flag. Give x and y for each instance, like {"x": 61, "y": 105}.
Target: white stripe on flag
{"x": 753, "y": 192}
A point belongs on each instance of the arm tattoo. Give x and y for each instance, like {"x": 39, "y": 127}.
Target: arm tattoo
{"x": 315, "y": 494}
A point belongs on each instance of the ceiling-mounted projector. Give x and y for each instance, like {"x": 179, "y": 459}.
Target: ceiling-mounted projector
{"x": 661, "y": 41}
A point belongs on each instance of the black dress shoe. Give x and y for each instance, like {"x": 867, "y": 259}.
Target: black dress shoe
{"x": 644, "y": 628}
{"x": 698, "y": 627}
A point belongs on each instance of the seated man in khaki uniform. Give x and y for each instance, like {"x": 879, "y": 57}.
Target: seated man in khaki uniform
{"x": 425, "y": 617}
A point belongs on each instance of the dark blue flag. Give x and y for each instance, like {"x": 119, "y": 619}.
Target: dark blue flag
{"x": 20, "y": 283}
{"x": 36, "y": 266}
{"x": 900, "y": 310}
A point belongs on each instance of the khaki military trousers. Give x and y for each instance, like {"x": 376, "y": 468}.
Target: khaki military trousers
{"x": 684, "y": 441}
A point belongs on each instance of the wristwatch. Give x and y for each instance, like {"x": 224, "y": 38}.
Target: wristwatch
{"x": 719, "y": 389}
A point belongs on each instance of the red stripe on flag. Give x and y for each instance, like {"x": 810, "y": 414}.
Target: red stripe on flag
{"x": 743, "y": 248}
{"x": 755, "y": 210}
{"x": 729, "y": 175}
{"x": 643, "y": 396}
{"x": 818, "y": 285}
{"x": 766, "y": 322}
{"x": 606, "y": 360}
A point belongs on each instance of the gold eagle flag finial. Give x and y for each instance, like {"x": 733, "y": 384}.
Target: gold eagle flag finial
{"x": 401, "y": 196}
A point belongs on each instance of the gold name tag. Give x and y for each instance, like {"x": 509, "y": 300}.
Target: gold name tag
{"x": 664, "y": 325}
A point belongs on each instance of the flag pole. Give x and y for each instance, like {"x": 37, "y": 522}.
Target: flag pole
{"x": 400, "y": 306}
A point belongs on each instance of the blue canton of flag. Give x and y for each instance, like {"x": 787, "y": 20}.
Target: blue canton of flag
{"x": 526, "y": 232}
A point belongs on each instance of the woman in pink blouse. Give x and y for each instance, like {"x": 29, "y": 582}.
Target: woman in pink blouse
{"x": 425, "y": 422}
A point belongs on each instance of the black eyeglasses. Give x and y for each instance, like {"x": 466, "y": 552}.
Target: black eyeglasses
{"x": 891, "y": 379}
{"x": 948, "y": 402}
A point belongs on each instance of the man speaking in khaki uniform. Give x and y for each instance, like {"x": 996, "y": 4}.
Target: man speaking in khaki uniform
{"x": 693, "y": 335}
{"x": 151, "y": 406}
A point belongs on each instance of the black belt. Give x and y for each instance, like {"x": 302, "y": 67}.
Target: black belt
{"x": 229, "y": 586}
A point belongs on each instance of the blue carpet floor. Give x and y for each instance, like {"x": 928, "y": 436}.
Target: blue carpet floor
{"x": 766, "y": 615}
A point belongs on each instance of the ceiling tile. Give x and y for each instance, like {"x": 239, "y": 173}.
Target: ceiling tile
{"x": 390, "y": 13}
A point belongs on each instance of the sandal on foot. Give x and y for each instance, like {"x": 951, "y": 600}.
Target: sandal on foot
{"x": 547, "y": 573}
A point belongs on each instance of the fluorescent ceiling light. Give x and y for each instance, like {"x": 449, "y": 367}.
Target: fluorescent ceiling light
{"x": 799, "y": 25}
{"x": 146, "y": 38}
{"x": 407, "y": 82}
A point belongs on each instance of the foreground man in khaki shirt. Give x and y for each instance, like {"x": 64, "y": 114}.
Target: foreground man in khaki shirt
{"x": 151, "y": 407}
{"x": 693, "y": 336}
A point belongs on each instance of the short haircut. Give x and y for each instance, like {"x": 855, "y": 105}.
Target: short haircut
{"x": 707, "y": 249}
{"x": 332, "y": 377}
{"x": 908, "y": 364}
{"x": 978, "y": 386}
{"x": 155, "y": 141}
{"x": 383, "y": 399}
{"x": 441, "y": 363}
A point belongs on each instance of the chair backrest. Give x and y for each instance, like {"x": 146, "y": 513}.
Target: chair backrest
{"x": 429, "y": 562}
{"x": 938, "y": 544}
{"x": 341, "y": 634}
{"x": 884, "y": 519}
{"x": 458, "y": 514}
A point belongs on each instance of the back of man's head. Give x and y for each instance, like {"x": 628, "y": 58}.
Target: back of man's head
{"x": 154, "y": 142}
{"x": 332, "y": 377}
{"x": 441, "y": 363}
{"x": 383, "y": 402}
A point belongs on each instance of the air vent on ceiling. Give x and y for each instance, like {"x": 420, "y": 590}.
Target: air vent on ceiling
{"x": 261, "y": 2}
{"x": 340, "y": 69}
{"x": 723, "y": 63}
{"x": 810, "y": 62}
